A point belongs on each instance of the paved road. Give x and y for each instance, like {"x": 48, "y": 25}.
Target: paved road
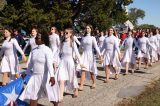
{"x": 111, "y": 93}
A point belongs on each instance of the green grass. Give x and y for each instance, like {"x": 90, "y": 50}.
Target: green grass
{"x": 150, "y": 97}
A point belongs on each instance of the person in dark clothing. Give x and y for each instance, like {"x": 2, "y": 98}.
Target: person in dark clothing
{"x": 20, "y": 40}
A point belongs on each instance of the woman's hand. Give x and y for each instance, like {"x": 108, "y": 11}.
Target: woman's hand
{"x": 101, "y": 60}
{"x": 52, "y": 81}
{"x": 24, "y": 58}
{"x": 82, "y": 66}
{"x": 120, "y": 57}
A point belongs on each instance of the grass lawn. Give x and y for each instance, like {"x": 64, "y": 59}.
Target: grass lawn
{"x": 150, "y": 97}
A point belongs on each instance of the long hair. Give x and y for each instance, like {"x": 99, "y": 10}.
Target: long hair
{"x": 114, "y": 32}
{"x": 11, "y": 31}
{"x": 72, "y": 39}
{"x": 44, "y": 37}
{"x": 92, "y": 31}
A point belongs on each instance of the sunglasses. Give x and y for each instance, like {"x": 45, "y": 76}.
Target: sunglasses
{"x": 66, "y": 33}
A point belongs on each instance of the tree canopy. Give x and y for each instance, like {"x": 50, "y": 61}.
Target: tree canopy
{"x": 146, "y": 26}
{"x": 136, "y": 14}
{"x": 60, "y": 13}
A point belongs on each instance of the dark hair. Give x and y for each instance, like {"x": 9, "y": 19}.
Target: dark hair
{"x": 35, "y": 29}
{"x": 11, "y": 31}
{"x": 44, "y": 37}
{"x": 92, "y": 32}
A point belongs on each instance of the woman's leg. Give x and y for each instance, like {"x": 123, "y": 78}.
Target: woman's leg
{"x": 93, "y": 78}
{"x": 83, "y": 76}
{"x": 33, "y": 102}
{"x": 132, "y": 66}
{"x": 75, "y": 92}
{"x": 107, "y": 72}
{"x": 5, "y": 78}
{"x": 61, "y": 89}
{"x": 146, "y": 63}
{"x": 55, "y": 103}
{"x": 127, "y": 67}
{"x": 139, "y": 63}
{"x": 116, "y": 71}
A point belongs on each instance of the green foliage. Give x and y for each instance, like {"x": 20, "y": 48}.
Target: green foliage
{"x": 2, "y": 4}
{"x": 44, "y": 13}
{"x": 146, "y": 26}
{"x": 27, "y": 14}
{"x": 135, "y": 14}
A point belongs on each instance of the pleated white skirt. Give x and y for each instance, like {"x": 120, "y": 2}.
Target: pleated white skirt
{"x": 39, "y": 87}
{"x": 10, "y": 64}
{"x": 67, "y": 73}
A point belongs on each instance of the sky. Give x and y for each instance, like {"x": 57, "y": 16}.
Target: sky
{"x": 152, "y": 11}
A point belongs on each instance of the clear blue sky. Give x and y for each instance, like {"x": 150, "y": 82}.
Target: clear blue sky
{"x": 152, "y": 11}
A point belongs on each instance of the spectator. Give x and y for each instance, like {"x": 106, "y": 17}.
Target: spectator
{"x": 19, "y": 38}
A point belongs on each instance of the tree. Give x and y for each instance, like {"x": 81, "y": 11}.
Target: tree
{"x": 26, "y": 14}
{"x": 146, "y": 26}
{"x": 77, "y": 13}
{"x": 136, "y": 14}
{"x": 2, "y": 4}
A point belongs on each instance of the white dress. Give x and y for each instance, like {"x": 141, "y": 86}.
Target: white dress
{"x": 152, "y": 52}
{"x": 41, "y": 63}
{"x": 55, "y": 46}
{"x": 111, "y": 52}
{"x": 88, "y": 60}
{"x": 144, "y": 45}
{"x": 33, "y": 45}
{"x": 100, "y": 41}
{"x": 129, "y": 54}
{"x": 10, "y": 61}
{"x": 158, "y": 41}
{"x": 76, "y": 40}
{"x": 67, "y": 67}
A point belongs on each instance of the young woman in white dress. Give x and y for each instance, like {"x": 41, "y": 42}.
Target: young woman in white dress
{"x": 43, "y": 82}
{"x": 54, "y": 42}
{"x": 144, "y": 45}
{"x": 31, "y": 43}
{"x": 9, "y": 63}
{"x": 158, "y": 40}
{"x": 67, "y": 69}
{"x": 100, "y": 40}
{"x": 152, "y": 52}
{"x": 129, "y": 56}
{"x": 88, "y": 43}
{"x": 111, "y": 49}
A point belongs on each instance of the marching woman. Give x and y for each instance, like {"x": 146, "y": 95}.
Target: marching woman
{"x": 111, "y": 49}
{"x": 31, "y": 42}
{"x": 9, "y": 63}
{"x": 158, "y": 40}
{"x": 129, "y": 57}
{"x": 54, "y": 42}
{"x": 43, "y": 82}
{"x": 100, "y": 40}
{"x": 67, "y": 68}
{"x": 152, "y": 52}
{"x": 88, "y": 43}
{"x": 144, "y": 45}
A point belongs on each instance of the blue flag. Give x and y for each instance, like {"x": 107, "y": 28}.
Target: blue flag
{"x": 9, "y": 94}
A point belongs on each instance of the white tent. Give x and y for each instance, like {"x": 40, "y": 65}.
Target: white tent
{"x": 129, "y": 24}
